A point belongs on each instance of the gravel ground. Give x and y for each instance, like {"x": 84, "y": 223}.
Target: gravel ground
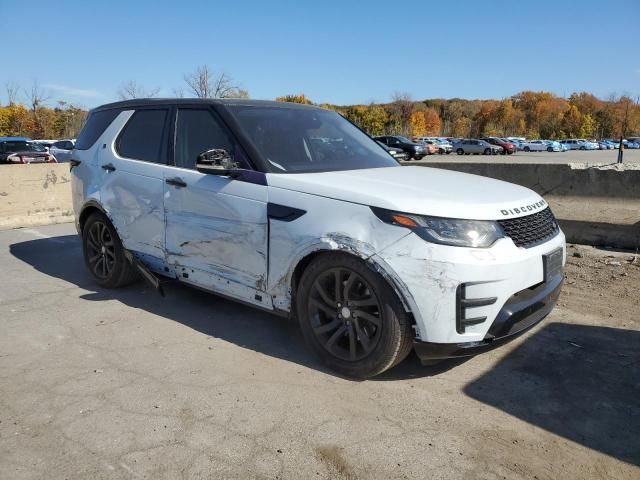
{"x": 125, "y": 384}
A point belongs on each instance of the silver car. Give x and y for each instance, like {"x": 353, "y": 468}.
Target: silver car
{"x": 62, "y": 150}
{"x": 471, "y": 145}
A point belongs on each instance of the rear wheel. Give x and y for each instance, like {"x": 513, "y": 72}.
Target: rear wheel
{"x": 460, "y": 151}
{"x": 583, "y": 148}
{"x": 104, "y": 253}
{"x": 549, "y": 149}
{"x": 350, "y": 316}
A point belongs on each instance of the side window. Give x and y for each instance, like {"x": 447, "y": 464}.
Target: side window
{"x": 142, "y": 136}
{"x": 96, "y": 124}
{"x": 198, "y": 130}
{"x": 67, "y": 145}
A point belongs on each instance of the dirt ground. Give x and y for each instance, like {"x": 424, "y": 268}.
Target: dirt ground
{"x": 124, "y": 384}
{"x": 604, "y": 283}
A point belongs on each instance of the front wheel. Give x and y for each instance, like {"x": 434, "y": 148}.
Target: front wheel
{"x": 351, "y": 317}
{"x": 583, "y": 148}
{"x": 487, "y": 151}
{"x": 549, "y": 149}
{"x": 460, "y": 151}
{"x": 527, "y": 149}
{"x": 104, "y": 253}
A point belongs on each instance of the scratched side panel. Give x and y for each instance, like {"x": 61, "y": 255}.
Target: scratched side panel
{"x": 328, "y": 225}
{"x": 217, "y": 230}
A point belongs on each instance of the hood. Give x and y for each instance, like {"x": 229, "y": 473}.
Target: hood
{"x": 419, "y": 190}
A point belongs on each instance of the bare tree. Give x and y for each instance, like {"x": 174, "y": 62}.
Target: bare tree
{"x": 37, "y": 96}
{"x": 132, "y": 89}
{"x": 178, "y": 92}
{"x": 205, "y": 83}
{"x": 12, "y": 89}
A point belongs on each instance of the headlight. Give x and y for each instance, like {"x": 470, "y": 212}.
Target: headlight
{"x": 445, "y": 231}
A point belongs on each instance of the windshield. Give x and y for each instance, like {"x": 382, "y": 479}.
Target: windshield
{"x": 20, "y": 146}
{"x": 296, "y": 140}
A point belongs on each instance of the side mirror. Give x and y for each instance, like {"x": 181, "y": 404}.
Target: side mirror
{"x": 216, "y": 161}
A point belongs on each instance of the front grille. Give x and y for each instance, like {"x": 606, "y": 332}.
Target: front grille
{"x": 531, "y": 230}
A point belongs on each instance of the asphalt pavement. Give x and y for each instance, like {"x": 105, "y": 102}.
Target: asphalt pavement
{"x": 98, "y": 383}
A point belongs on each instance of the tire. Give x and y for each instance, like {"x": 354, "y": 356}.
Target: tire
{"x": 448, "y": 152}
{"x": 583, "y": 148}
{"x": 334, "y": 329}
{"x": 527, "y": 149}
{"x": 104, "y": 253}
{"x": 460, "y": 151}
{"x": 550, "y": 149}
{"x": 487, "y": 151}
{"x": 440, "y": 151}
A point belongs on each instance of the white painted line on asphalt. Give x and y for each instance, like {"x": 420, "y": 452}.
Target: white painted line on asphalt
{"x": 38, "y": 234}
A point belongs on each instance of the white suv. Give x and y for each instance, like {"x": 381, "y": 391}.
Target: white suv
{"x": 292, "y": 209}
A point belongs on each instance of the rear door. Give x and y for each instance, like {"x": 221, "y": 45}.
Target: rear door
{"x": 132, "y": 182}
{"x": 216, "y": 226}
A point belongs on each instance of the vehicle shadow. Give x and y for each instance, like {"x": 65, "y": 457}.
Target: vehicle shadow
{"x": 230, "y": 321}
{"x": 577, "y": 381}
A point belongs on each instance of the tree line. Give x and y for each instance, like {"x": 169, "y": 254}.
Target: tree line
{"x": 526, "y": 114}
{"x": 28, "y": 112}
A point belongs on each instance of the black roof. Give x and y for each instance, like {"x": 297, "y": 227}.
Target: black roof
{"x": 142, "y": 102}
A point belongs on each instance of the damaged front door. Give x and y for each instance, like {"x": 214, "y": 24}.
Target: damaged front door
{"x": 216, "y": 227}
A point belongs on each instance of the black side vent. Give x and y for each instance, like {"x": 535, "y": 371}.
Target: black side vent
{"x": 462, "y": 303}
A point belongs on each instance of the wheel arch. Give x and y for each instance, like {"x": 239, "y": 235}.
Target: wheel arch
{"x": 372, "y": 261}
{"x": 88, "y": 208}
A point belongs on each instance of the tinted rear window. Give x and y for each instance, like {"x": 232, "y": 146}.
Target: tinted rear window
{"x": 142, "y": 136}
{"x": 95, "y": 126}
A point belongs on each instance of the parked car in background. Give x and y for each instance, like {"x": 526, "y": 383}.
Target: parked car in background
{"x": 415, "y": 150}
{"x": 475, "y": 146}
{"x": 45, "y": 143}
{"x": 443, "y": 146}
{"x": 553, "y": 146}
{"x": 604, "y": 145}
{"x": 630, "y": 145}
{"x": 578, "y": 144}
{"x": 396, "y": 153}
{"x": 431, "y": 147}
{"x": 62, "y": 150}
{"x": 23, "y": 150}
{"x": 507, "y": 147}
{"x": 535, "y": 146}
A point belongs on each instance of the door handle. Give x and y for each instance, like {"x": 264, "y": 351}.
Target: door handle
{"x": 176, "y": 182}
{"x": 109, "y": 167}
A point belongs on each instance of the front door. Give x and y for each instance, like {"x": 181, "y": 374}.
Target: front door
{"x": 216, "y": 227}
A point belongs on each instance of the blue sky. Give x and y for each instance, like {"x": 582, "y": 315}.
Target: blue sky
{"x": 341, "y": 52}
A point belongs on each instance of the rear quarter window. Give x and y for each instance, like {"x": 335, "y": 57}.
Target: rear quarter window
{"x": 143, "y": 135}
{"x": 96, "y": 124}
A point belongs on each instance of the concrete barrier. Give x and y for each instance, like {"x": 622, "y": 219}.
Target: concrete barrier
{"x": 595, "y": 205}
{"x": 34, "y": 195}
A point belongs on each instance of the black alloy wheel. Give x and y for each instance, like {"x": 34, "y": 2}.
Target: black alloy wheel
{"x": 345, "y": 314}
{"x": 101, "y": 254}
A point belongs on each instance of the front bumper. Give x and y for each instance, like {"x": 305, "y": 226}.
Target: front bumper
{"x": 429, "y": 276}
{"x": 520, "y": 313}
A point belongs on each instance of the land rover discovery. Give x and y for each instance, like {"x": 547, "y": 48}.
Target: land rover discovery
{"x": 292, "y": 209}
